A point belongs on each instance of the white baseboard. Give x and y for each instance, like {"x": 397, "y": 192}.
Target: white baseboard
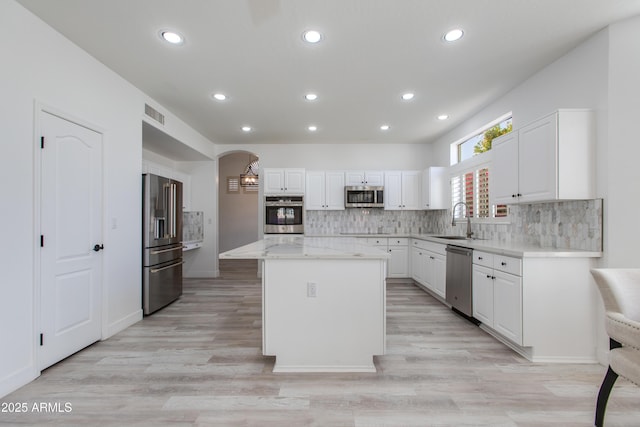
{"x": 17, "y": 379}
{"x": 122, "y": 324}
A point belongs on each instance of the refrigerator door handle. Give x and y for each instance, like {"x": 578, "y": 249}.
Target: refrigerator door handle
{"x": 166, "y": 250}
{"x": 155, "y": 270}
{"x": 174, "y": 225}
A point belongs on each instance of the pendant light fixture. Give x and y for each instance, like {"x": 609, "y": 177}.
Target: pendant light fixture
{"x": 250, "y": 176}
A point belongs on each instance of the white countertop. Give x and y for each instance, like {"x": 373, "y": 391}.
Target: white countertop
{"x": 520, "y": 250}
{"x": 302, "y": 247}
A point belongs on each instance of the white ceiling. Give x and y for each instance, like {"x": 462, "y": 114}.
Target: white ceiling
{"x": 372, "y": 52}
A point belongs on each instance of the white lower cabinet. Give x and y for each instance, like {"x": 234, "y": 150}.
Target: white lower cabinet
{"x": 497, "y": 293}
{"x": 398, "y": 248}
{"x": 428, "y": 265}
{"x": 398, "y": 264}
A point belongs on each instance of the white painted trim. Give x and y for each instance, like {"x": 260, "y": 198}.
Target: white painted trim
{"x": 17, "y": 379}
{"x": 122, "y": 324}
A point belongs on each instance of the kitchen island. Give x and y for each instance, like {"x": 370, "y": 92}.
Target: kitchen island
{"x": 323, "y": 302}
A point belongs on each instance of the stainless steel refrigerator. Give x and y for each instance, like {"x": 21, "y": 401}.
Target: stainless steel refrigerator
{"x": 161, "y": 242}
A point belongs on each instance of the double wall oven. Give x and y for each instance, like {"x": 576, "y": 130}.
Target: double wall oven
{"x": 283, "y": 214}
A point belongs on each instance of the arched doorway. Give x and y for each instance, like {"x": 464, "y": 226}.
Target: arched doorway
{"x": 238, "y": 205}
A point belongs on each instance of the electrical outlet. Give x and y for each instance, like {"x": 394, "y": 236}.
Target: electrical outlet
{"x": 312, "y": 290}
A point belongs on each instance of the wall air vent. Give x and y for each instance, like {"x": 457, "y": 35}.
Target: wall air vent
{"x": 154, "y": 114}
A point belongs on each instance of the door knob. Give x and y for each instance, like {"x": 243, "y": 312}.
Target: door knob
{"x": 98, "y": 247}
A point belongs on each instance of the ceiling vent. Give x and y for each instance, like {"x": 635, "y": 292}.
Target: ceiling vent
{"x": 154, "y": 114}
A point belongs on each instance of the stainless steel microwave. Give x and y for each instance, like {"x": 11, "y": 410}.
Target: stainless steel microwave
{"x": 363, "y": 196}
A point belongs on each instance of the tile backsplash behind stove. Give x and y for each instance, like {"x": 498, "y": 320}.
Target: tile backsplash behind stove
{"x": 573, "y": 224}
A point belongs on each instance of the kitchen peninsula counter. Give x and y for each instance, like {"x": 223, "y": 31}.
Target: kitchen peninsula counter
{"x": 323, "y": 302}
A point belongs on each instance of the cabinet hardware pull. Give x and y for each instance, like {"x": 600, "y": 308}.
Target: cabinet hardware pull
{"x": 503, "y": 263}
{"x": 488, "y": 276}
{"x": 479, "y": 258}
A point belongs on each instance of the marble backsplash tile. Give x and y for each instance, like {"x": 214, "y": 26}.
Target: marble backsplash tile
{"x": 573, "y": 224}
{"x": 192, "y": 226}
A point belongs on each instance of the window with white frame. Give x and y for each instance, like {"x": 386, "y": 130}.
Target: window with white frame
{"x": 471, "y": 167}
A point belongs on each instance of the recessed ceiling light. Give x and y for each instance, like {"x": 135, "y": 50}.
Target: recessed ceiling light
{"x": 246, "y": 128}
{"x": 407, "y": 96}
{"x": 453, "y": 35}
{"x": 311, "y": 97}
{"x": 443, "y": 117}
{"x": 172, "y": 37}
{"x": 219, "y": 96}
{"x": 312, "y": 128}
{"x": 311, "y": 36}
{"x": 385, "y": 127}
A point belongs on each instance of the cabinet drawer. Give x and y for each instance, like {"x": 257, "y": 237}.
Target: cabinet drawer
{"x": 484, "y": 259}
{"x": 377, "y": 241}
{"x": 426, "y": 245}
{"x": 398, "y": 241}
{"x": 508, "y": 264}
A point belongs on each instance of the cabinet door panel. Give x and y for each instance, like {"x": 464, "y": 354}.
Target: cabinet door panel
{"x": 483, "y": 294}
{"x": 508, "y": 306}
{"x": 504, "y": 172}
{"x": 538, "y": 168}
{"x": 294, "y": 181}
{"x": 399, "y": 262}
{"x": 393, "y": 191}
{"x": 439, "y": 274}
{"x": 411, "y": 190}
{"x": 314, "y": 198}
{"x": 334, "y": 190}
{"x": 273, "y": 181}
{"x": 416, "y": 271}
{"x": 374, "y": 178}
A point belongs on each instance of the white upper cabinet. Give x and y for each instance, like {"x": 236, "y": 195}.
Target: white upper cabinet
{"x": 402, "y": 190}
{"x": 550, "y": 159}
{"x": 434, "y": 188}
{"x": 325, "y": 190}
{"x": 504, "y": 173}
{"x": 374, "y": 178}
{"x": 281, "y": 181}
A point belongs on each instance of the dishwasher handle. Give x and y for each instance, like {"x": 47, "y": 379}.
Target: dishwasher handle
{"x": 459, "y": 250}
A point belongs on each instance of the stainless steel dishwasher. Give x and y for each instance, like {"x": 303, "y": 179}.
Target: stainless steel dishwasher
{"x": 458, "y": 282}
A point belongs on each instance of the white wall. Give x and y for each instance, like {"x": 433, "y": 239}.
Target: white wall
{"x": 338, "y": 156}
{"x": 238, "y": 211}
{"x": 203, "y": 262}
{"x": 620, "y": 157}
{"x": 41, "y": 66}
{"x": 577, "y": 80}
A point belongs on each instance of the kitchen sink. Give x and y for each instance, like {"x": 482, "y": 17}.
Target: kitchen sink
{"x": 452, "y": 237}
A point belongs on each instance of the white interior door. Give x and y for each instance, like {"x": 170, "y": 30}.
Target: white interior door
{"x": 71, "y": 225}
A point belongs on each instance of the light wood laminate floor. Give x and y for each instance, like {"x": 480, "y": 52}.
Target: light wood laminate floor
{"x": 198, "y": 362}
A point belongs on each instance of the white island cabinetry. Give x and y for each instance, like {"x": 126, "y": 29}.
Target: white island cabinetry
{"x": 323, "y": 302}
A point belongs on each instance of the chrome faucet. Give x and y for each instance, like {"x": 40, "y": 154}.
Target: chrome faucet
{"x": 453, "y": 215}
